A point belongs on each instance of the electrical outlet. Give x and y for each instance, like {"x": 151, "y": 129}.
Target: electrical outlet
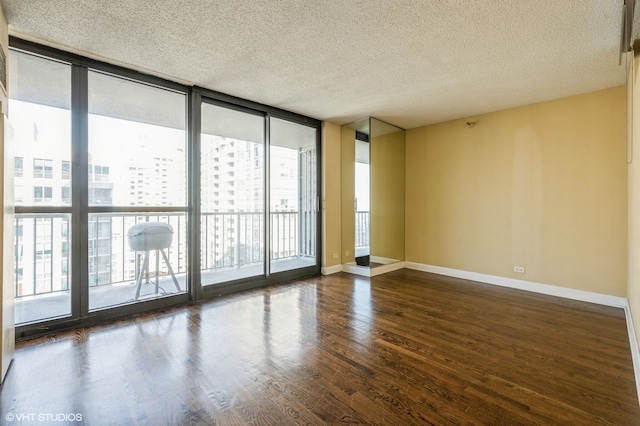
{"x": 347, "y": 253}
{"x": 518, "y": 269}
{"x": 335, "y": 255}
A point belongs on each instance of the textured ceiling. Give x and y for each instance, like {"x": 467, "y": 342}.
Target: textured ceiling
{"x": 408, "y": 62}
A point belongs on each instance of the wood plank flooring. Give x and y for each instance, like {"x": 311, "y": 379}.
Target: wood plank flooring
{"x": 401, "y": 348}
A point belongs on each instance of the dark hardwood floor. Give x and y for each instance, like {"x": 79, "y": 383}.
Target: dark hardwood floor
{"x": 401, "y": 348}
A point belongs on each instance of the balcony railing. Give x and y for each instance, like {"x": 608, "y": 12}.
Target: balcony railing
{"x": 228, "y": 240}
{"x": 362, "y": 229}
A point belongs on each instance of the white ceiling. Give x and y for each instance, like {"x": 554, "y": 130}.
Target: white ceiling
{"x": 407, "y": 62}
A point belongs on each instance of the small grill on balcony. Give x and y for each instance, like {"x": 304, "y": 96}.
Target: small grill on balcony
{"x": 147, "y": 236}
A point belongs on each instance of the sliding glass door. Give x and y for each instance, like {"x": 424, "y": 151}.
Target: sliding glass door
{"x": 232, "y": 194}
{"x": 293, "y": 195}
{"x": 242, "y": 164}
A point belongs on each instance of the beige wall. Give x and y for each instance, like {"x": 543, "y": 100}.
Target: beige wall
{"x": 331, "y": 194}
{"x": 633, "y": 290}
{"x": 387, "y": 195}
{"x": 542, "y": 186}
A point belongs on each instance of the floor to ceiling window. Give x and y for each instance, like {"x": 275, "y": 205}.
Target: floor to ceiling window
{"x": 40, "y": 123}
{"x": 128, "y": 199}
{"x": 137, "y": 182}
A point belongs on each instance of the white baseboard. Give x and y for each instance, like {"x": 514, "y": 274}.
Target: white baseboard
{"x": 352, "y": 268}
{"x": 383, "y": 260}
{"x": 366, "y": 271}
{"x": 633, "y": 343}
{"x": 389, "y": 267}
{"x": 552, "y": 290}
{"x": 567, "y": 293}
{"x": 328, "y": 270}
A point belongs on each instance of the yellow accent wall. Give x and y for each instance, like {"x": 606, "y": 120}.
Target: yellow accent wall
{"x": 542, "y": 186}
{"x": 633, "y": 290}
{"x": 331, "y": 199}
{"x": 387, "y": 195}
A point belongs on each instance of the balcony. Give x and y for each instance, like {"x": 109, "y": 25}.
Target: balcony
{"x": 43, "y": 257}
{"x": 362, "y": 230}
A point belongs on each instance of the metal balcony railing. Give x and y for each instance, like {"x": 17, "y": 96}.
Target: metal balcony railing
{"x": 362, "y": 229}
{"x": 228, "y": 240}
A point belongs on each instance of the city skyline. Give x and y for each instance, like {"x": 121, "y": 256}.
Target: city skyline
{"x": 43, "y": 163}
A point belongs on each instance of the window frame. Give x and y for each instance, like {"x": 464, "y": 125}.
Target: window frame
{"x": 80, "y": 209}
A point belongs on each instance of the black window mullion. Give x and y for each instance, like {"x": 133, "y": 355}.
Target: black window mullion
{"x": 79, "y": 192}
{"x": 194, "y": 279}
{"x": 318, "y": 202}
{"x": 35, "y": 257}
{"x": 51, "y": 259}
{"x": 267, "y": 195}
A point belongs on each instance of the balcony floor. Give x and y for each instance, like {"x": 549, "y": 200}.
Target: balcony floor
{"x": 53, "y": 305}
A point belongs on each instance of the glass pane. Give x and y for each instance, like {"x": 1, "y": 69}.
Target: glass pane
{"x": 42, "y": 267}
{"x": 232, "y": 195}
{"x": 293, "y": 195}
{"x": 40, "y": 102}
{"x": 137, "y": 157}
{"x": 130, "y": 261}
{"x": 137, "y": 144}
{"x": 363, "y": 202}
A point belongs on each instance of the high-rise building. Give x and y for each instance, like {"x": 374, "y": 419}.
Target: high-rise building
{"x": 151, "y": 174}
